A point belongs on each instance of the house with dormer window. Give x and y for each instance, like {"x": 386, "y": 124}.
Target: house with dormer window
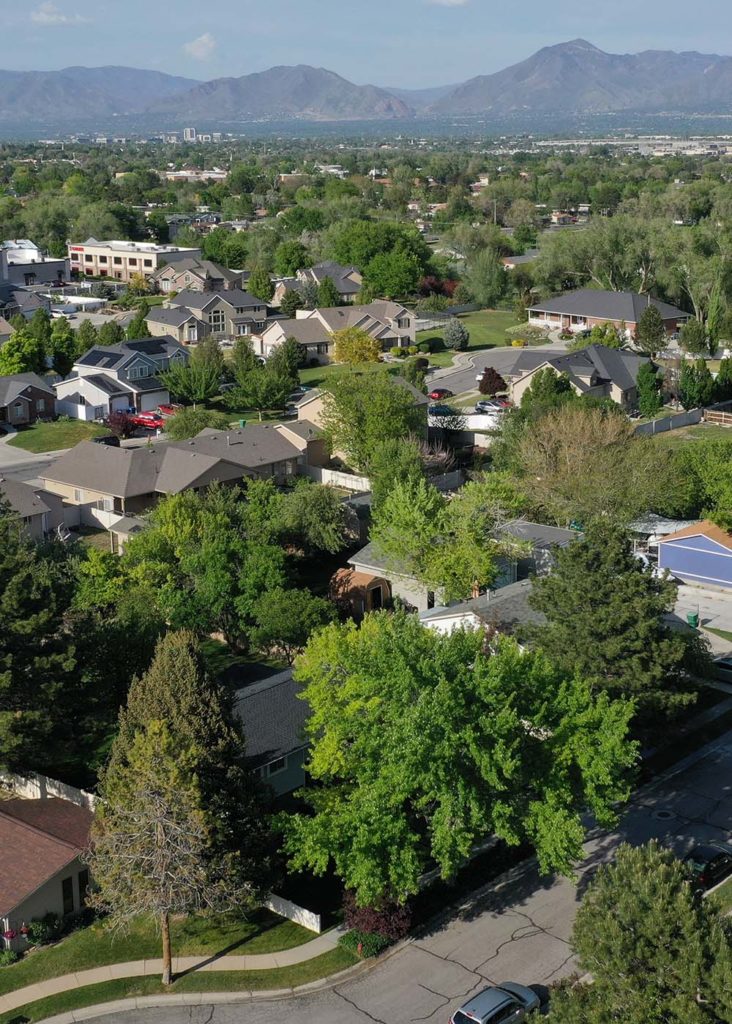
{"x": 228, "y": 314}
{"x": 119, "y": 378}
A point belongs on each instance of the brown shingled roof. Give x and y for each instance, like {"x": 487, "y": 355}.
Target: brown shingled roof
{"x": 703, "y": 529}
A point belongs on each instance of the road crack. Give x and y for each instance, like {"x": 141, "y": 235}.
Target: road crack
{"x": 360, "y": 1009}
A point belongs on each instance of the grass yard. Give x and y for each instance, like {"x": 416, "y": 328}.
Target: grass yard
{"x": 228, "y": 665}
{"x": 50, "y": 437}
{"x": 487, "y": 330}
{"x": 97, "y": 945}
{"x": 99, "y": 539}
{"x": 723, "y": 634}
{"x": 724, "y": 896}
{"x": 698, "y": 432}
{"x": 215, "y": 981}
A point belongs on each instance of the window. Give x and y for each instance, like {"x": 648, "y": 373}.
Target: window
{"x": 132, "y": 261}
{"x": 117, "y": 261}
{"x": 192, "y": 333}
{"x": 41, "y": 405}
{"x": 216, "y": 319}
{"x": 322, "y": 350}
{"x": 83, "y": 886}
{"x": 102, "y": 259}
{"x": 88, "y": 258}
{"x": 275, "y": 767}
{"x": 147, "y": 263}
{"x": 67, "y": 894}
{"x": 507, "y": 1013}
{"x": 78, "y": 495}
{"x": 242, "y": 329}
{"x": 18, "y": 408}
{"x": 29, "y": 278}
{"x": 430, "y": 599}
{"x": 105, "y": 504}
{"x": 135, "y": 372}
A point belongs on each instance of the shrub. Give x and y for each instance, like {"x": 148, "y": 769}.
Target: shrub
{"x": 412, "y": 350}
{"x": 312, "y": 363}
{"x": 456, "y": 335}
{"x": 400, "y": 353}
{"x": 391, "y": 921}
{"x": 8, "y": 957}
{"x": 421, "y": 364}
{"x": 518, "y": 343}
{"x": 425, "y": 346}
{"x": 364, "y": 944}
{"x": 44, "y": 930}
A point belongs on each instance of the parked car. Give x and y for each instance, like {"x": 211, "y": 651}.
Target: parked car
{"x": 709, "y": 864}
{"x": 148, "y": 420}
{"x": 503, "y": 1004}
{"x": 437, "y": 393}
{"x": 441, "y": 410}
{"x": 109, "y": 439}
{"x": 169, "y": 410}
{"x": 489, "y": 405}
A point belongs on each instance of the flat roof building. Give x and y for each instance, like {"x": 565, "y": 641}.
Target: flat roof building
{"x": 121, "y": 260}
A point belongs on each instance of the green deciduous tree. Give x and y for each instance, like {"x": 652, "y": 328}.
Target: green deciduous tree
{"x": 86, "y": 337}
{"x": 354, "y": 345}
{"x": 428, "y": 743}
{"x": 650, "y": 334}
{"x": 189, "y": 422}
{"x": 111, "y": 333}
{"x": 649, "y": 390}
{"x": 486, "y": 278}
{"x": 243, "y": 359}
{"x": 23, "y": 352}
{"x": 286, "y": 619}
{"x": 262, "y": 390}
{"x": 196, "y": 382}
{"x": 286, "y": 359}
{"x": 605, "y": 615}
{"x": 393, "y": 274}
{"x": 696, "y": 384}
{"x": 290, "y": 257}
{"x": 395, "y": 459}
{"x": 63, "y": 346}
{"x": 655, "y": 951}
{"x": 315, "y": 517}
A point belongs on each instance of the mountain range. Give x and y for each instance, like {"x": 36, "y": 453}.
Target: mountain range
{"x": 568, "y": 78}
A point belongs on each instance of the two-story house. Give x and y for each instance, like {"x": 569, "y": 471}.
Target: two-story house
{"x": 228, "y": 314}
{"x": 197, "y": 276}
{"x": 119, "y": 378}
{"x": 389, "y": 323}
{"x": 347, "y": 280}
{"x": 25, "y": 398}
{"x": 178, "y": 322}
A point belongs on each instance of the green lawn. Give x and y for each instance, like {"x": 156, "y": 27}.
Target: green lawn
{"x": 698, "y": 432}
{"x": 214, "y": 981}
{"x": 724, "y": 896}
{"x": 49, "y": 437}
{"x": 487, "y": 330}
{"x": 262, "y": 932}
{"x": 721, "y": 633}
{"x": 90, "y": 538}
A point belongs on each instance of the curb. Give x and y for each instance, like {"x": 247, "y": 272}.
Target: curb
{"x": 220, "y": 998}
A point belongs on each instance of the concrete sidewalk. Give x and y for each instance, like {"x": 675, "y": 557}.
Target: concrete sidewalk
{"x": 181, "y": 965}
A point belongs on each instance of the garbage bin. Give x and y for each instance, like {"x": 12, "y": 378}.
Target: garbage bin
{"x": 693, "y": 619}
{"x": 242, "y": 423}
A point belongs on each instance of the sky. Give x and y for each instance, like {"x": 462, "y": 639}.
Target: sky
{"x": 407, "y": 43}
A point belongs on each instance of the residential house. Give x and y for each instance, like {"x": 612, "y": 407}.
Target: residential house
{"x": 700, "y": 554}
{"x": 596, "y": 371}
{"x": 228, "y": 314}
{"x": 101, "y": 485}
{"x": 348, "y": 281}
{"x": 506, "y": 610}
{"x": 43, "y": 871}
{"x": 585, "y": 308}
{"x": 535, "y": 547}
{"x": 375, "y": 581}
{"x": 196, "y": 275}
{"x": 273, "y": 721}
{"x": 119, "y": 377}
{"x": 25, "y": 398}
{"x": 360, "y": 591}
{"x": 511, "y": 262}
{"x": 16, "y": 301}
{"x": 311, "y": 407}
{"x": 22, "y": 264}
{"x": 177, "y": 322}
{"x": 123, "y": 260}
{"x": 387, "y": 322}
{"x": 6, "y": 331}
{"x": 40, "y": 512}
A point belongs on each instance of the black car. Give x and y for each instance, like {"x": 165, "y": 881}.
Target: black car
{"x": 111, "y": 439}
{"x": 709, "y": 865}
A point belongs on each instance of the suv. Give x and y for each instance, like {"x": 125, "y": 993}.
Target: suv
{"x": 507, "y": 1003}
{"x": 709, "y": 865}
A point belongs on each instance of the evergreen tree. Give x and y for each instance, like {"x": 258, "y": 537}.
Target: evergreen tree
{"x": 548, "y": 389}
{"x": 286, "y": 359}
{"x": 137, "y": 327}
{"x": 260, "y": 284}
{"x": 39, "y": 327}
{"x": 649, "y": 390}
{"x": 694, "y": 337}
{"x": 197, "y": 712}
{"x": 696, "y": 384}
{"x": 111, "y": 333}
{"x": 328, "y": 294}
{"x": 605, "y": 616}
{"x": 723, "y": 381}
{"x": 309, "y": 295}
{"x": 291, "y": 302}
{"x": 456, "y": 335}
{"x": 63, "y": 346}
{"x": 36, "y": 654}
{"x": 651, "y": 332}
{"x": 657, "y": 954}
{"x": 86, "y": 337}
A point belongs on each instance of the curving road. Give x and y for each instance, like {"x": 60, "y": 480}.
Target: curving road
{"x": 518, "y": 930}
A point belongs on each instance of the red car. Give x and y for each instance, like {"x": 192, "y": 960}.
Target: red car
{"x": 439, "y": 393}
{"x": 148, "y": 420}
{"x": 169, "y": 410}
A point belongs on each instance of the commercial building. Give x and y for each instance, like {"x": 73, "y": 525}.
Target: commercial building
{"x": 122, "y": 260}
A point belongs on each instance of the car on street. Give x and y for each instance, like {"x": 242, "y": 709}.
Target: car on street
{"x": 506, "y": 1003}
{"x": 436, "y": 394}
{"x": 148, "y": 420}
{"x": 709, "y": 864}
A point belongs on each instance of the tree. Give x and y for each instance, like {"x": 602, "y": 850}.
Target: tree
{"x": 548, "y": 389}
{"x": 39, "y": 327}
{"x": 208, "y": 353}
{"x": 393, "y": 274}
{"x": 486, "y": 278}
{"x": 309, "y": 294}
{"x": 286, "y": 359}
{"x": 137, "y": 327}
{"x": 428, "y": 743}
{"x": 396, "y": 459}
{"x": 120, "y": 424}
{"x": 649, "y": 390}
{"x": 36, "y": 655}
{"x": 456, "y": 335}
{"x": 188, "y": 422}
{"x": 354, "y": 345}
{"x": 315, "y": 517}
{"x": 694, "y": 337}
{"x": 197, "y": 382}
{"x": 723, "y": 381}
{"x": 716, "y": 316}
{"x": 605, "y": 615}
{"x": 23, "y": 352}
{"x": 491, "y": 383}
{"x": 63, "y": 346}
{"x": 328, "y": 294}
{"x": 291, "y": 302}
{"x": 651, "y": 332}
{"x": 111, "y": 333}
{"x": 362, "y": 411}
{"x": 86, "y": 337}
{"x": 262, "y": 390}
{"x": 243, "y": 359}
{"x": 286, "y": 619}
{"x": 260, "y": 284}
{"x": 150, "y": 837}
{"x": 696, "y": 384}
{"x": 653, "y": 949}
{"x": 289, "y": 258}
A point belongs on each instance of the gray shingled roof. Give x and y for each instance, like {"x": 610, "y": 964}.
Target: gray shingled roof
{"x": 609, "y": 364}
{"x": 250, "y": 447}
{"x": 12, "y": 387}
{"x": 603, "y": 305}
{"x": 174, "y": 317}
{"x": 22, "y": 498}
{"x": 507, "y": 608}
{"x": 234, "y": 297}
{"x": 273, "y": 718}
{"x": 539, "y": 535}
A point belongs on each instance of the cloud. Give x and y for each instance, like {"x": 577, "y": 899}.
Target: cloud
{"x": 49, "y": 14}
{"x": 201, "y": 48}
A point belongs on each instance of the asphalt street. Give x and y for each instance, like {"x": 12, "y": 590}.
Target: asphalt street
{"x": 518, "y": 930}
{"x": 501, "y": 359}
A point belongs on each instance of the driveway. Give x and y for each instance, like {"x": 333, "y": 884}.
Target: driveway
{"x": 501, "y": 359}
{"x": 518, "y": 930}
